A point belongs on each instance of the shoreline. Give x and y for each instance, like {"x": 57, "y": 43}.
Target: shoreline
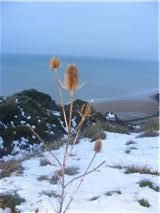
{"x": 127, "y": 109}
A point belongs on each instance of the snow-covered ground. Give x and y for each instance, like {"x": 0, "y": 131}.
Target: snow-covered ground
{"x": 108, "y": 189}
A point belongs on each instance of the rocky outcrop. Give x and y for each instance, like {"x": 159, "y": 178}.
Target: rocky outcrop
{"x": 39, "y": 111}
{"x": 33, "y": 108}
{"x": 46, "y": 118}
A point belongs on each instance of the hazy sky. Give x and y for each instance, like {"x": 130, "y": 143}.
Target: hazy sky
{"x": 124, "y": 29}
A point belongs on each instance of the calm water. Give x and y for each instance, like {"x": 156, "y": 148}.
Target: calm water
{"x": 104, "y": 78}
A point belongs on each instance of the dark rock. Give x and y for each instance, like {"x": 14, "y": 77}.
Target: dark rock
{"x": 156, "y": 97}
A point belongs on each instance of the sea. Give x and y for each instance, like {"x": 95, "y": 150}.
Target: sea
{"x": 102, "y": 78}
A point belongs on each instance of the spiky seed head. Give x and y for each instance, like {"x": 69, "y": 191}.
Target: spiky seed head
{"x": 86, "y": 110}
{"x": 55, "y": 63}
{"x": 71, "y": 77}
{"x": 98, "y": 146}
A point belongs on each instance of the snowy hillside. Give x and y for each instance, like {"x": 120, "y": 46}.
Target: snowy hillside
{"x": 128, "y": 181}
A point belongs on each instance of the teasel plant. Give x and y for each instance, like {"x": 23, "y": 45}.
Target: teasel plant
{"x": 55, "y": 65}
{"x": 71, "y": 83}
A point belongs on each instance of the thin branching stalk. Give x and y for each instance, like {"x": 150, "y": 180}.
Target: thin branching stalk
{"x": 70, "y": 113}
{"x": 61, "y": 98}
{"x": 97, "y": 149}
{"x": 66, "y": 154}
{"x": 43, "y": 143}
{"x": 76, "y": 178}
{"x": 74, "y": 142}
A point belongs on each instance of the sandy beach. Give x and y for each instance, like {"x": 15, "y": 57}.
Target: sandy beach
{"x": 128, "y": 109}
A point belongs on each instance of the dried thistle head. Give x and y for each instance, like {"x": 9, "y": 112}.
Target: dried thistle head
{"x": 71, "y": 77}
{"x": 86, "y": 110}
{"x": 98, "y": 146}
{"x": 55, "y": 63}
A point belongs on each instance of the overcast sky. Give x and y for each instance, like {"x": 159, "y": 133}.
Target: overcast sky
{"x": 124, "y": 29}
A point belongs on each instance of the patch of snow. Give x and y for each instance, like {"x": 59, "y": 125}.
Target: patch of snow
{"x": 22, "y": 112}
{"x": 110, "y": 116}
{"x": 51, "y": 132}
{"x": 1, "y": 143}
{"x": 74, "y": 124}
{"x": 56, "y": 113}
{"x": 12, "y": 123}
{"x": 97, "y": 184}
{"x": 3, "y": 125}
{"x": 23, "y": 122}
{"x": 61, "y": 122}
{"x": 5, "y": 210}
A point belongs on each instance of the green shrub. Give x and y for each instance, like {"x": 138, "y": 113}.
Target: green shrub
{"x": 145, "y": 183}
{"x": 144, "y": 203}
{"x": 8, "y": 110}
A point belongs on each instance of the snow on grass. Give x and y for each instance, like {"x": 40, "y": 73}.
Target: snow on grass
{"x": 108, "y": 189}
{"x": 1, "y": 143}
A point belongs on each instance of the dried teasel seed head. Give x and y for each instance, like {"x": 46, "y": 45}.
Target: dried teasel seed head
{"x": 86, "y": 110}
{"x": 98, "y": 146}
{"x": 55, "y": 63}
{"x": 71, "y": 77}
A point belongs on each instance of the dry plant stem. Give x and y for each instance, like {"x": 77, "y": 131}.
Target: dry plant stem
{"x": 43, "y": 142}
{"x": 61, "y": 98}
{"x": 70, "y": 113}
{"x": 86, "y": 171}
{"x": 81, "y": 176}
{"x": 81, "y": 181}
{"x": 66, "y": 154}
{"x": 74, "y": 142}
{"x": 80, "y": 123}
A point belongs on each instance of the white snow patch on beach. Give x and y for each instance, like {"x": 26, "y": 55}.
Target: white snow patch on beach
{"x": 107, "y": 189}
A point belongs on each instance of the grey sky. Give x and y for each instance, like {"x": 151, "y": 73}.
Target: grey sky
{"x": 124, "y": 29}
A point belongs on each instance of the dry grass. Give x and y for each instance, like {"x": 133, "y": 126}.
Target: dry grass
{"x": 10, "y": 201}
{"x": 136, "y": 169}
{"x": 50, "y": 194}
{"x": 148, "y": 133}
{"x": 110, "y": 193}
{"x": 94, "y": 198}
{"x": 151, "y": 124}
{"x": 42, "y": 178}
{"x": 130, "y": 142}
{"x": 69, "y": 171}
{"x": 44, "y": 162}
{"x": 141, "y": 170}
{"x": 9, "y": 167}
{"x": 127, "y": 151}
{"x": 54, "y": 145}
